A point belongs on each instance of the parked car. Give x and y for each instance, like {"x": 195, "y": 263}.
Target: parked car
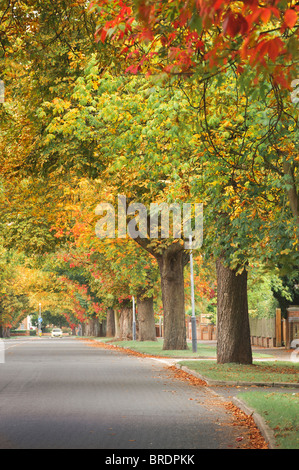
{"x": 56, "y": 332}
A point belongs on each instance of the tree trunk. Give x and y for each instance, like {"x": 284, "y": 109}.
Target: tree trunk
{"x": 117, "y": 324}
{"x": 233, "y": 333}
{"x": 292, "y": 189}
{"x": 171, "y": 264}
{"x": 110, "y": 325}
{"x": 95, "y": 327}
{"x": 85, "y": 329}
{"x": 91, "y": 327}
{"x": 5, "y": 332}
{"x": 102, "y": 329}
{"x": 126, "y": 323}
{"x": 146, "y": 319}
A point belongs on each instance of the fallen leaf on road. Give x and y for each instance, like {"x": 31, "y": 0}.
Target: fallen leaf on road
{"x": 247, "y": 422}
{"x": 182, "y": 375}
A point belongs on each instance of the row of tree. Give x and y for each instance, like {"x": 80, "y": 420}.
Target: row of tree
{"x": 179, "y": 103}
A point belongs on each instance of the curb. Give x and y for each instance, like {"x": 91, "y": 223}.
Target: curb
{"x": 264, "y": 429}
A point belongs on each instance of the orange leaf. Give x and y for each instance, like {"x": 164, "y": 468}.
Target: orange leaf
{"x": 266, "y": 14}
{"x": 290, "y": 18}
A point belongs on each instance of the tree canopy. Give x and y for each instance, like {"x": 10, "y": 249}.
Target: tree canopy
{"x": 162, "y": 102}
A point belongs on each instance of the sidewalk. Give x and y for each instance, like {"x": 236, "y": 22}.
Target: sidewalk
{"x": 280, "y": 354}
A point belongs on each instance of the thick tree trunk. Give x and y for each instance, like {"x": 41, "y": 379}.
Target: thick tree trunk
{"x": 102, "y": 328}
{"x": 126, "y": 323}
{"x": 146, "y": 319}
{"x": 95, "y": 327}
{"x": 117, "y": 324}
{"x": 233, "y": 333}
{"x": 91, "y": 327}
{"x": 6, "y": 332}
{"x": 85, "y": 329}
{"x": 171, "y": 264}
{"x": 110, "y": 323}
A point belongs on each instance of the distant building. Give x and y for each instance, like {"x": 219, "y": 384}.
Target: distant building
{"x": 26, "y": 324}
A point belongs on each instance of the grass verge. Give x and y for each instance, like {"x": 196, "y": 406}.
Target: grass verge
{"x": 281, "y": 413}
{"x": 268, "y": 372}
{"x": 155, "y": 348}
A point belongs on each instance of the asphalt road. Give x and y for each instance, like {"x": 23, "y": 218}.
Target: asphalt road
{"x": 66, "y": 394}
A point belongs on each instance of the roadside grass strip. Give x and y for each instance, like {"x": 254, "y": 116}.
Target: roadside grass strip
{"x": 277, "y": 372}
{"x": 155, "y": 348}
{"x": 280, "y": 411}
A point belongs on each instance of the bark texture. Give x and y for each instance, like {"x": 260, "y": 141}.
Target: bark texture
{"x": 233, "y": 332}
{"x": 117, "y": 324}
{"x": 126, "y": 323}
{"x": 4, "y": 332}
{"x": 146, "y": 319}
{"x": 91, "y": 327}
{"x": 171, "y": 264}
{"x": 110, "y": 323}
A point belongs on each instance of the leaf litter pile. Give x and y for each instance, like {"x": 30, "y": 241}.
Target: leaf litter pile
{"x": 246, "y": 422}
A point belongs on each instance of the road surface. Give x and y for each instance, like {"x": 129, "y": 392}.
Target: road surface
{"x": 65, "y": 394}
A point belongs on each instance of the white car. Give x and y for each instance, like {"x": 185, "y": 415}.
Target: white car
{"x": 56, "y": 332}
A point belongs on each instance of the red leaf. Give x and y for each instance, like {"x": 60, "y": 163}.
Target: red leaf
{"x": 103, "y": 35}
{"x": 290, "y": 18}
{"x": 274, "y": 48}
{"x": 132, "y": 69}
{"x": 265, "y": 14}
{"x": 234, "y": 24}
{"x": 217, "y": 5}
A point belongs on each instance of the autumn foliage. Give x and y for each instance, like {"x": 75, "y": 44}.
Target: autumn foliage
{"x": 194, "y": 36}
{"x": 173, "y": 101}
